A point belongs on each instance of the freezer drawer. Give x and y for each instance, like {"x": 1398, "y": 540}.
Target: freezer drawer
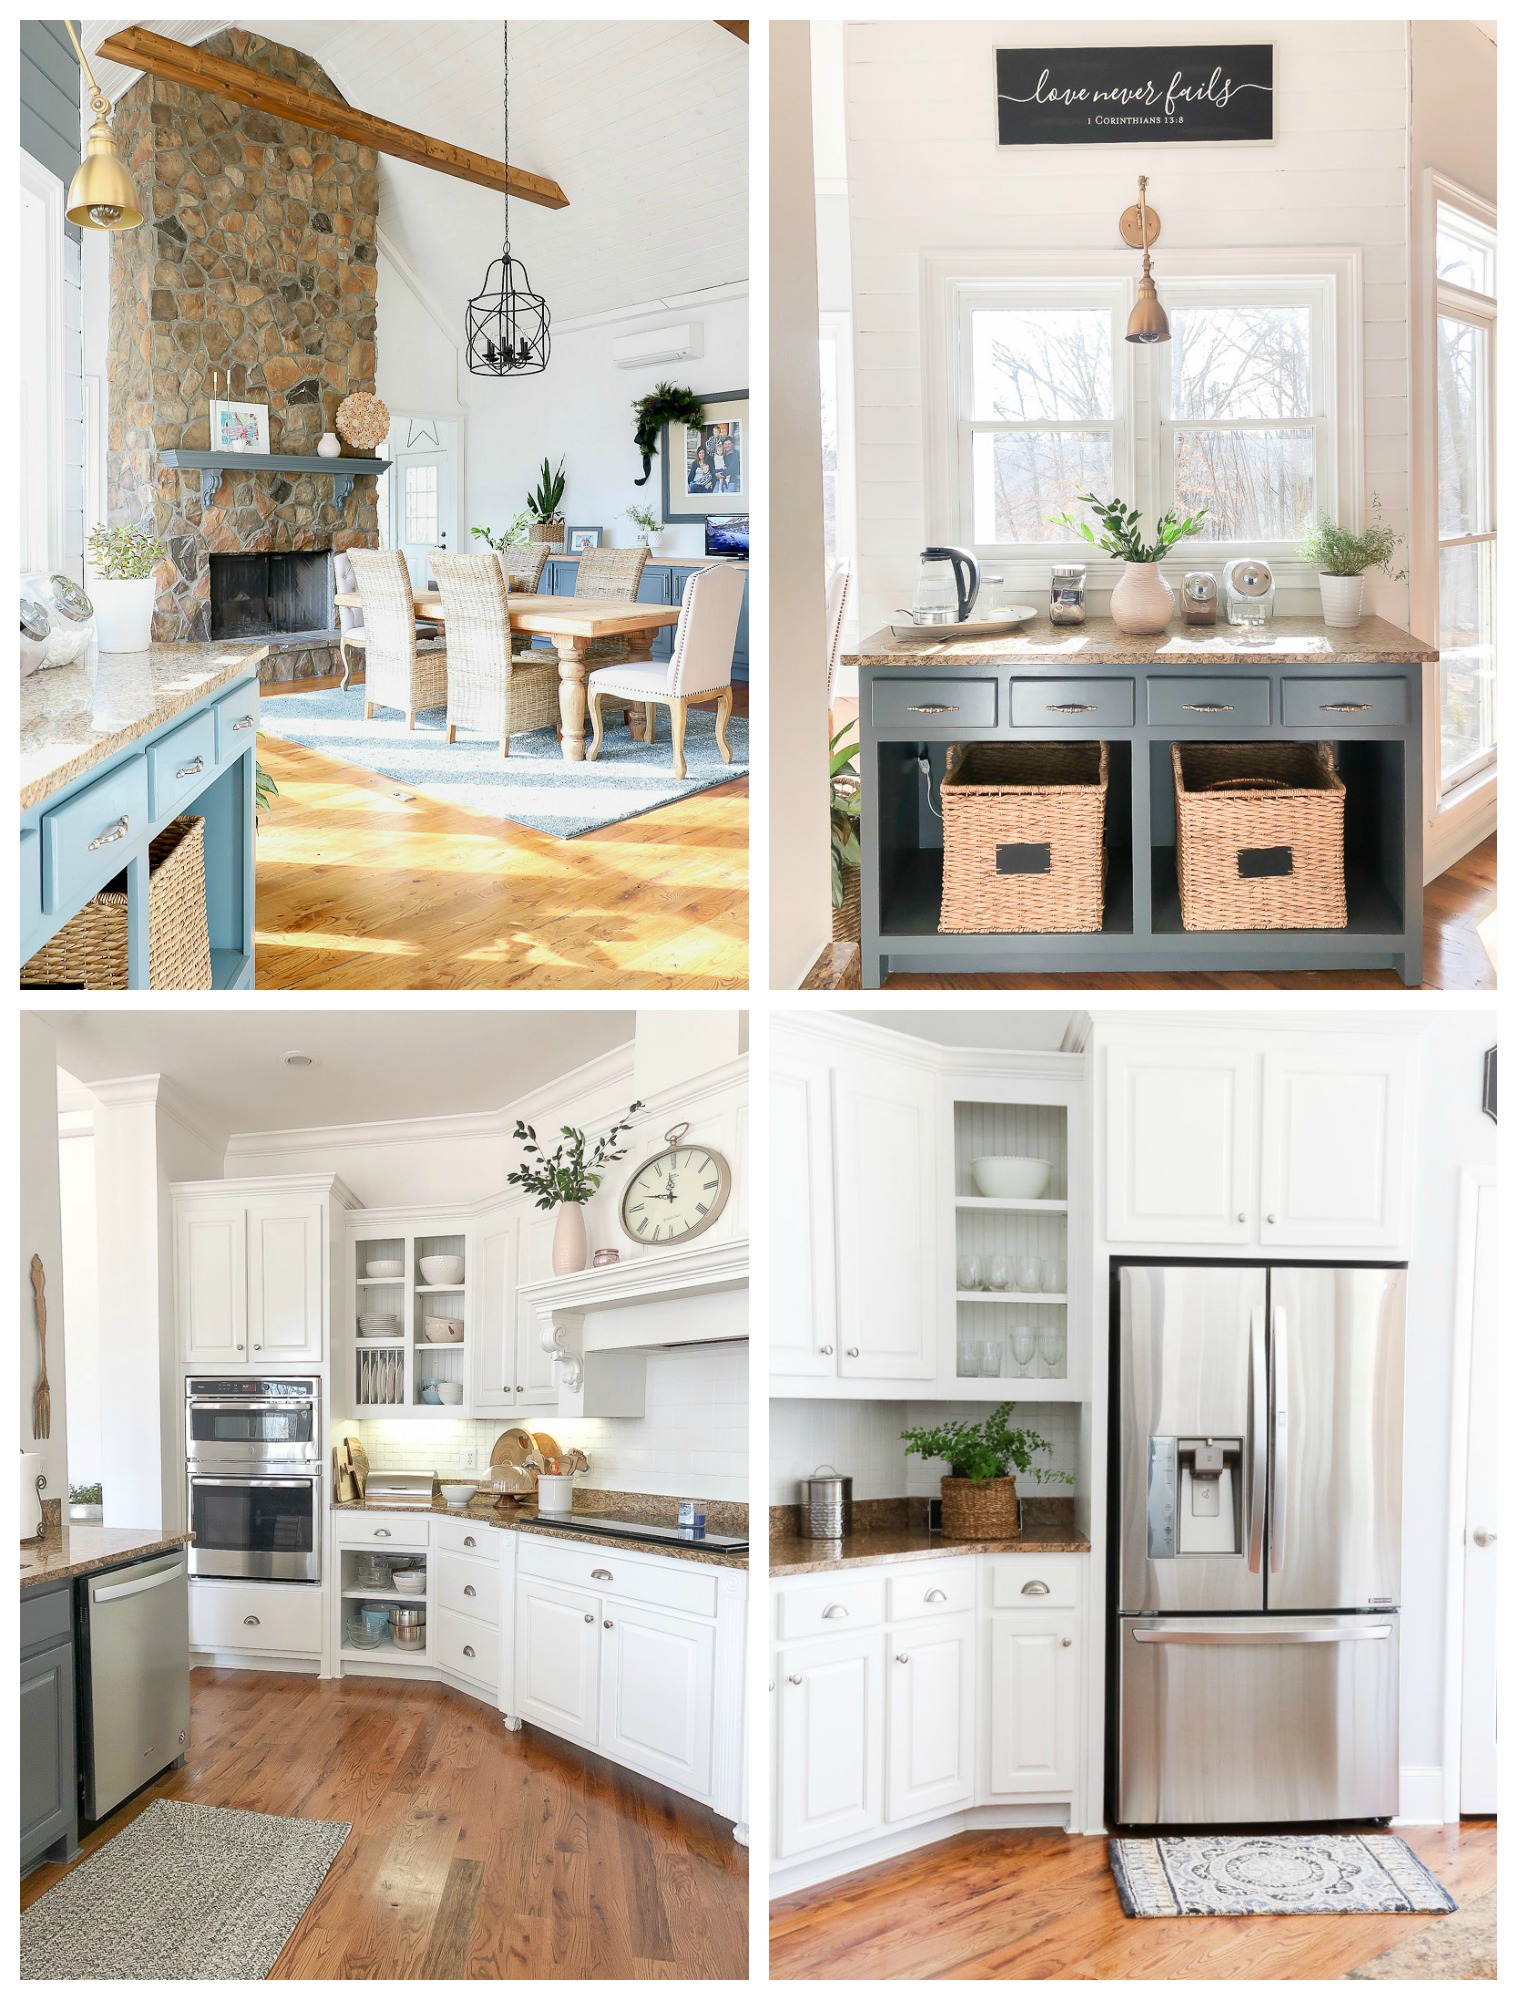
{"x": 1229, "y": 1720}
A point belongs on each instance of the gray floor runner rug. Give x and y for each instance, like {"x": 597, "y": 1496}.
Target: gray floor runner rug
{"x": 533, "y": 786}
{"x": 1462, "y": 1948}
{"x": 184, "y": 1892}
{"x": 1263, "y": 1875}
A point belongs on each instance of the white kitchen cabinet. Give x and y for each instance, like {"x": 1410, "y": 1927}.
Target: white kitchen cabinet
{"x": 831, "y": 1741}
{"x": 287, "y": 1278}
{"x": 658, "y": 1685}
{"x": 929, "y": 1708}
{"x": 803, "y": 1276}
{"x": 253, "y": 1269}
{"x": 1034, "y": 1685}
{"x": 558, "y": 1659}
{"x": 211, "y": 1281}
{"x": 496, "y": 1251}
{"x": 532, "y": 1386}
{"x": 885, "y": 1117}
{"x": 1334, "y": 1142}
{"x": 1182, "y": 1142}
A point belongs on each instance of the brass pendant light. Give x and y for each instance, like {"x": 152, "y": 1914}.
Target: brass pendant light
{"x": 101, "y": 195}
{"x": 1147, "y": 323}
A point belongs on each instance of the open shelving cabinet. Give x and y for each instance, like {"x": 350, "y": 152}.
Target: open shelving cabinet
{"x": 352, "y": 1594}
{"x": 387, "y": 1377}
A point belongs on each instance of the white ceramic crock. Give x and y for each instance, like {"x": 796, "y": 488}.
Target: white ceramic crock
{"x": 123, "y": 612}
{"x": 1342, "y": 599}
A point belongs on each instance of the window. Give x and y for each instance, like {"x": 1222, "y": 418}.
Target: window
{"x": 421, "y": 505}
{"x": 834, "y": 358}
{"x": 42, "y": 537}
{"x": 1464, "y": 351}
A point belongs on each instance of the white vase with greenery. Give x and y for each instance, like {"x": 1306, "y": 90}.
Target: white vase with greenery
{"x": 122, "y": 587}
{"x": 1141, "y": 600}
{"x": 1341, "y": 558}
{"x": 649, "y": 527}
{"x": 566, "y": 1179}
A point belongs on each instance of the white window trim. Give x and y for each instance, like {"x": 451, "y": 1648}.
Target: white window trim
{"x": 838, "y": 327}
{"x": 949, "y": 279}
{"x": 49, "y": 190}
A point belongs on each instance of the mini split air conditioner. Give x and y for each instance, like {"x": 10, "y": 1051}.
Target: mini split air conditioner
{"x": 662, "y": 343}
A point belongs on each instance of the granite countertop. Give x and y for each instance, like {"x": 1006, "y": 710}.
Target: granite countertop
{"x": 79, "y": 1549}
{"x": 1098, "y": 643}
{"x": 523, "y": 1521}
{"x": 889, "y": 1531}
{"x": 73, "y": 718}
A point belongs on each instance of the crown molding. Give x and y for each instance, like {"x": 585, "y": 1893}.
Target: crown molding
{"x": 332, "y": 1185}
{"x": 1064, "y": 1064}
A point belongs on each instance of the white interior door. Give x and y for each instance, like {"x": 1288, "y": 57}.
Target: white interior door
{"x": 1477, "y": 1734}
{"x": 423, "y": 486}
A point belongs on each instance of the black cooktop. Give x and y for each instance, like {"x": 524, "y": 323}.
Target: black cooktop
{"x": 643, "y": 1531}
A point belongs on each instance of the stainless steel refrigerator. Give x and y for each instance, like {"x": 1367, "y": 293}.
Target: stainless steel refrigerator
{"x": 1257, "y": 1501}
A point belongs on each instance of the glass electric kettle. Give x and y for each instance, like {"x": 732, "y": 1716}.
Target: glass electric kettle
{"x": 948, "y": 582}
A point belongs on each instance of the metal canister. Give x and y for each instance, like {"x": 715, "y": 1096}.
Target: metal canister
{"x": 1066, "y": 594}
{"x": 826, "y": 1505}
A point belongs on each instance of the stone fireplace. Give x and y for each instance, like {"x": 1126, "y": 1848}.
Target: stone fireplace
{"x": 257, "y": 261}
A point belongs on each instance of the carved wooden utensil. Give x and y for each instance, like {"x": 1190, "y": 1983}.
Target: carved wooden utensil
{"x": 42, "y": 1399}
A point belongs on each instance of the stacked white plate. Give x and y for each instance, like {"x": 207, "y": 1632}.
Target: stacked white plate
{"x": 379, "y": 1326}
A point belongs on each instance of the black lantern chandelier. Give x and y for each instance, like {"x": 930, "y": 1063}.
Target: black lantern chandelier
{"x": 509, "y": 328}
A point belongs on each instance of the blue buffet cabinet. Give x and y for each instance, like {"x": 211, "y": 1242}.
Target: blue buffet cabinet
{"x": 98, "y": 826}
{"x": 663, "y": 582}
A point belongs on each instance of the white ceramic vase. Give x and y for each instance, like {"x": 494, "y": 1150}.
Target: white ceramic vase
{"x": 1342, "y": 599}
{"x": 123, "y": 612}
{"x": 571, "y": 1246}
{"x": 330, "y": 445}
{"x": 1141, "y": 601}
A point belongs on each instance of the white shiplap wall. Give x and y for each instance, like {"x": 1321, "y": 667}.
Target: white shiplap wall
{"x": 926, "y": 176}
{"x": 863, "y": 1440}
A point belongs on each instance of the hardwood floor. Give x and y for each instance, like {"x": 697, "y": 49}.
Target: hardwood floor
{"x": 363, "y": 886}
{"x": 1459, "y": 954}
{"x": 475, "y": 1853}
{"x": 1041, "y": 1905}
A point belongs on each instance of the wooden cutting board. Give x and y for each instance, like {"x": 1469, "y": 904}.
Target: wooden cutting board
{"x": 358, "y": 1459}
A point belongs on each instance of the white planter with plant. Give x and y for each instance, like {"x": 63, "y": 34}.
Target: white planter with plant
{"x": 123, "y": 588}
{"x": 566, "y": 1179}
{"x": 545, "y": 507}
{"x": 1341, "y": 558}
{"x": 649, "y": 527}
{"x": 1141, "y": 600}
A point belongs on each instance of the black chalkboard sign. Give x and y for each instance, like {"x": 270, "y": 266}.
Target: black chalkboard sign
{"x": 1109, "y": 97}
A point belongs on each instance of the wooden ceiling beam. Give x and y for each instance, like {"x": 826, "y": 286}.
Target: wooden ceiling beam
{"x": 175, "y": 62}
{"x": 738, "y": 28}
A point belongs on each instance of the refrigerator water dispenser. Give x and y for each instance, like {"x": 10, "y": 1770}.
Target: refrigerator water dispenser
{"x": 1195, "y": 1496}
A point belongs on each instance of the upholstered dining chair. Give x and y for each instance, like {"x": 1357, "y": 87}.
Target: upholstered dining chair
{"x": 489, "y": 688}
{"x": 349, "y": 616}
{"x": 841, "y": 709}
{"x": 402, "y": 672}
{"x": 699, "y": 668}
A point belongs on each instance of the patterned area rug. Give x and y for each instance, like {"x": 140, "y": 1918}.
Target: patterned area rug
{"x": 1462, "y": 1948}
{"x": 1273, "y": 1875}
{"x": 533, "y": 786}
{"x": 184, "y": 1892}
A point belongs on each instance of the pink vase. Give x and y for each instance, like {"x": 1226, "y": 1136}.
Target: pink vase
{"x": 1141, "y": 600}
{"x": 571, "y": 1246}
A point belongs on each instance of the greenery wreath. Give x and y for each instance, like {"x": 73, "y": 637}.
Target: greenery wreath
{"x": 666, "y": 405}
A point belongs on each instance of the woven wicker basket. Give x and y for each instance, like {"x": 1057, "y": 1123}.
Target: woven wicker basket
{"x": 90, "y": 950}
{"x": 847, "y": 921}
{"x": 1022, "y": 837}
{"x": 981, "y": 1513}
{"x": 1259, "y": 837}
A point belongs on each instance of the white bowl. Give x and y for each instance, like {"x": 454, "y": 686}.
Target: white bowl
{"x": 385, "y": 1267}
{"x": 451, "y": 1392}
{"x": 1011, "y": 1176}
{"x": 442, "y": 1270}
{"x": 442, "y": 1332}
{"x": 459, "y": 1496}
{"x": 412, "y": 1581}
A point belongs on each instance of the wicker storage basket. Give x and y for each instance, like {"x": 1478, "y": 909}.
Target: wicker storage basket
{"x": 988, "y": 1512}
{"x": 1022, "y": 837}
{"x": 847, "y": 918}
{"x": 1259, "y": 837}
{"x": 90, "y": 950}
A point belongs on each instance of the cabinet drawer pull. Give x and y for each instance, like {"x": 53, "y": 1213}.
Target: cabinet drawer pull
{"x": 251, "y": 1620}
{"x": 794, "y": 1680}
{"x": 1071, "y": 708}
{"x": 1208, "y": 707}
{"x": 589, "y": 1617}
{"x": 836, "y": 1611}
{"x": 469, "y": 1651}
{"x": 469, "y": 1542}
{"x": 470, "y": 1591}
{"x": 381, "y": 1534}
{"x": 936, "y": 1597}
{"x": 1035, "y": 1589}
{"x": 934, "y": 708}
{"x": 191, "y": 770}
{"x": 601, "y": 1575}
{"x": 116, "y": 832}
{"x": 246, "y": 722}
{"x": 901, "y": 1659}
{"x": 1347, "y": 707}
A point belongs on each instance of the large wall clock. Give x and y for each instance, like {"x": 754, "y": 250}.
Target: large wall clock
{"x": 677, "y": 1194}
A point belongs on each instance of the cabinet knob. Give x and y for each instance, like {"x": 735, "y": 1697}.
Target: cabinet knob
{"x": 589, "y": 1617}
{"x": 795, "y": 1680}
{"x": 258, "y": 1347}
{"x": 852, "y": 1352}
{"x": 901, "y": 1659}
{"x": 468, "y": 1652}
{"x": 520, "y": 1389}
{"x": 1483, "y": 1537}
{"x": 1035, "y": 1589}
{"x": 601, "y": 1575}
{"x": 470, "y": 1591}
{"x": 1242, "y": 1217}
{"x": 1066, "y": 1642}
{"x": 1269, "y": 1218}
{"x": 607, "y": 1623}
{"x": 771, "y": 1687}
{"x": 824, "y": 1350}
{"x": 936, "y": 1597}
{"x": 836, "y": 1611}
{"x": 250, "y": 1620}
{"x": 469, "y": 1542}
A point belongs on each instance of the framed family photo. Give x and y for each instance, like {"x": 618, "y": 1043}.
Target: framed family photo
{"x": 240, "y": 427}
{"x": 705, "y": 465}
{"x": 579, "y": 539}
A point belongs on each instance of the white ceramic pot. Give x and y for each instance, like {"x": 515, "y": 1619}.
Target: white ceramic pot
{"x": 555, "y": 1492}
{"x": 1342, "y": 599}
{"x": 124, "y": 612}
{"x": 330, "y": 445}
{"x": 1141, "y": 600}
{"x": 571, "y": 1246}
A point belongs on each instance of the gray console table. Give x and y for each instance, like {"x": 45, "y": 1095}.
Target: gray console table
{"x": 1359, "y": 689}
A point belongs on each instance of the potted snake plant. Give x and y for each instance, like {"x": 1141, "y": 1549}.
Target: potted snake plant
{"x": 545, "y": 507}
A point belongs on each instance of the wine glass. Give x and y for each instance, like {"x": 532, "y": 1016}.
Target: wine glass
{"x": 1027, "y": 1274}
{"x": 969, "y": 1273}
{"x": 1023, "y": 1347}
{"x": 1000, "y": 1274}
{"x": 1051, "y": 1346}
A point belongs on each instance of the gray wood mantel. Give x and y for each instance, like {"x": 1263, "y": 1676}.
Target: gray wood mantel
{"x": 212, "y": 464}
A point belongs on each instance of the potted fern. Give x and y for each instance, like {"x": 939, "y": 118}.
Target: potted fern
{"x": 980, "y": 1487}
{"x": 545, "y": 505}
{"x": 1340, "y": 559}
{"x": 565, "y": 1179}
{"x": 124, "y": 587}
{"x": 1141, "y": 601}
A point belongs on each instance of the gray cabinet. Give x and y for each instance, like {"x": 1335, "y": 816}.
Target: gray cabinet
{"x": 49, "y": 1768}
{"x": 661, "y": 583}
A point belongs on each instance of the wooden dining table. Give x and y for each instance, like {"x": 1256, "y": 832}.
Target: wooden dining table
{"x": 570, "y": 623}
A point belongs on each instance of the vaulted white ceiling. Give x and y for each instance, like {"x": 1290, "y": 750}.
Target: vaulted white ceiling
{"x": 644, "y": 124}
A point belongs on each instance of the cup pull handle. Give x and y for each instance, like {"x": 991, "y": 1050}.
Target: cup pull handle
{"x": 1347, "y": 707}
{"x": 936, "y": 1597}
{"x": 934, "y": 708}
{"x": 1071, "y": 708}
{"x": 470, "y": 1543}
{"x": 468, "y": 1652}
{"x": 1208, "y": 707}
{"x": 251, "y": 1620}
{"x": 601, "y": 1575}
{"x": 836, "y": 1611}
{"x": 1035, "y": 1589}
{"x": 381, "y": 1534}
{"x": 470, "y": 1591}
{"x": 116, "y": 832}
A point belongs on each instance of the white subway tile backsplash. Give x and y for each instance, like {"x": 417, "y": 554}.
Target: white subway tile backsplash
{"x": 863, "y": 1440}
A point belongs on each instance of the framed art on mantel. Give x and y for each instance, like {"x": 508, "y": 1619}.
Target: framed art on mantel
{"x": 240, "y": 427}
{"x": 705, "y": 465}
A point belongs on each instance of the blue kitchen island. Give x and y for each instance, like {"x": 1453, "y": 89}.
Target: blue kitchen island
{"x": 111, "y": 752}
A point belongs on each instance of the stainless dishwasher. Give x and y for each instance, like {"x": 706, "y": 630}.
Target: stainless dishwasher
{"x": 134, "y": 1705}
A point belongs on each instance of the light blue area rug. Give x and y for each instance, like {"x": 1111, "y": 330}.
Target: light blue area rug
{"x": 533, "y": 786}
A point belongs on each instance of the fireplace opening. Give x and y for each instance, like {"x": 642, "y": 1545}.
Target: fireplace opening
{"x": 255, "y": 594}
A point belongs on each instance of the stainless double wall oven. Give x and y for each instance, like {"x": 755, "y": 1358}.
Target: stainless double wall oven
{"x": 253, "y": 1461}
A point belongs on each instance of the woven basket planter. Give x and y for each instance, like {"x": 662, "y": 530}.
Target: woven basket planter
{"x": 989, "y": 1512}
{"x": 548, "y": 534}
{"x": 90, "y": 950}
{"x": 1022, "y": 837}
{"x": 1259, "y": 837}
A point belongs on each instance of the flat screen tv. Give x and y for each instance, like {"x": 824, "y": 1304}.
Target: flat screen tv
{"x": 726, "y": 534}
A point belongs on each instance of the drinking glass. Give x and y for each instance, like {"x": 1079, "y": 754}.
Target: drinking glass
{"x": 968, "y": 1358}
{"x": 1027, "y": 1274}
{"x": 969, "y": 1274}
{"x": 1023, "y": 1346}
{"x": 1000, "y": 1274}
{"x": 1051, "y": 1346}
{"x": 1053, "y": 1275}
{"x": 990, "y": 1357}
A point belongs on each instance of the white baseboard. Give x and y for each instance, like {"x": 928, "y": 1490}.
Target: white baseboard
{"x": 1421, "y": 1796}
{"x": 1453, "y": 833}
{"x": 263, "y": 1663}
{"x": 785, "y": 1878}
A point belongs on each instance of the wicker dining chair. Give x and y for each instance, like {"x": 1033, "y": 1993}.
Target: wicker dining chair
{"x": 606, "y": 573}
{"x": 699, "y": 668}
{"x": 523, "y": 566}
{"x": 402, "y": 672}
{"x": 489, "y": 688}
